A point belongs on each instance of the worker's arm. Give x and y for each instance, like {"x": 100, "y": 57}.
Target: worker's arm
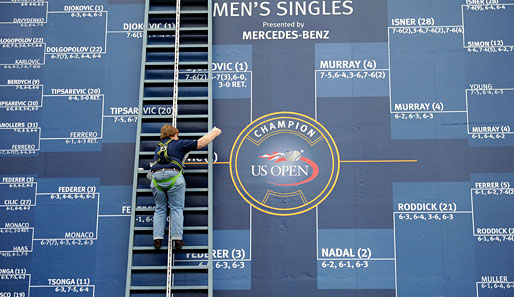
{"x": 207, "y": 138}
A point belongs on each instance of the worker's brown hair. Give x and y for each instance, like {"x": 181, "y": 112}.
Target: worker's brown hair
{"x": 168, "y": 131}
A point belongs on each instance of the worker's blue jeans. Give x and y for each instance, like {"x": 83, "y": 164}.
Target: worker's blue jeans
{"x": 174, "y": 197}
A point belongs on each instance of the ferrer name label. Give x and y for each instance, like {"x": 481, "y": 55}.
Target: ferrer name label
{"x": 284, "y": 163}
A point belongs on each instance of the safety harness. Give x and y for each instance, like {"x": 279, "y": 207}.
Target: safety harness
{"x": 163, "y": 159}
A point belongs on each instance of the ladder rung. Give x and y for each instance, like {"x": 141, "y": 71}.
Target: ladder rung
{"x": 190, "y": 153}
{"x": 165, "y": 248}
{"x": 186, "y": 171}
{"x": 184, "y": 116}
{"x": 198, "y": 152}
{"x": 163, "y": 267}
{"x": 173, "y": 63}
{"x": 163, "y": 288}
{"x": 174, "y": 11}
{"x": 187, "y": 190}
{"x": 171, "y": 98}
{"x": 170, "y": 81}
{"x": 182, "y": 134}
{"x": 181, "y": 29}
{"x": 186, "y": 228}
{"x": 186, "y": 209}
{"x": 173, "y": 46}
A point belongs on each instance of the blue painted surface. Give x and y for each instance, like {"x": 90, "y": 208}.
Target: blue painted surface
{"x": 441, "y": 226}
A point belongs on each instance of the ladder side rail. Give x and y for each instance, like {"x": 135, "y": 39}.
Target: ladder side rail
{"x": 210, "y": 214}
{"x": 136, "y": 152}
{"x": 169, "y": 265}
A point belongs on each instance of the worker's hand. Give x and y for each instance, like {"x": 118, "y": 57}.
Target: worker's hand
{"x": 216, "y": 131}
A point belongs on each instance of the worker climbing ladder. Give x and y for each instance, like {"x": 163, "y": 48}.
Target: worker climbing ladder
{"x": 175, "y": 88}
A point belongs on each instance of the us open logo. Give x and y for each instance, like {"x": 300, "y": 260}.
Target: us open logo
{"x": 284, "y": 163}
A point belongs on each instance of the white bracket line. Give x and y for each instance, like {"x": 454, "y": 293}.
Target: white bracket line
{"x": 104, "y": 51}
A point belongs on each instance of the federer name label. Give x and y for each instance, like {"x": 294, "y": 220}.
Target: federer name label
{"x": 72, "y": 190}
{"x": 18, "y": 179}
{"x": 220, "y": 254}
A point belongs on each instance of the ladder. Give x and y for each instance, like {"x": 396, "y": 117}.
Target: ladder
{"x": 175, "y": 88}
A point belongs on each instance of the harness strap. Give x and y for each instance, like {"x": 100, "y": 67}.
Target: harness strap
{"x": 173, "y": 179}
{"x": 164, "y": 148}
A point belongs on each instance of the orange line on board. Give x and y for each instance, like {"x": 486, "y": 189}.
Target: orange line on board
{"x": 378, "y": 161}
{"x": 341, "y": 161}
